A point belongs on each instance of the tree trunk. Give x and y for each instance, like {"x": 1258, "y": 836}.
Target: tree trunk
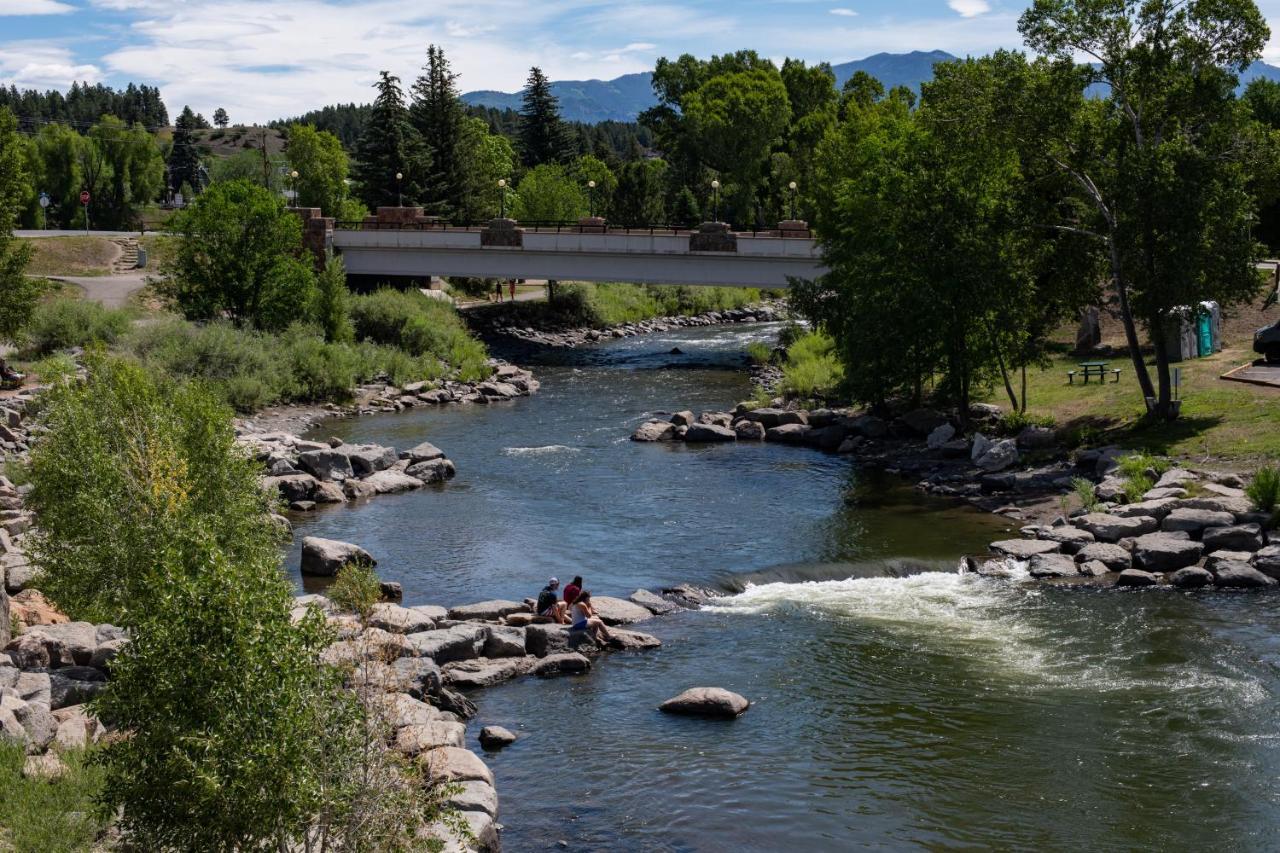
{"x": 1130, "y": 330}
{"x": 1023, "y": 410}
{"x": 551, "y": 290}
{"x": 1163, "y": 408}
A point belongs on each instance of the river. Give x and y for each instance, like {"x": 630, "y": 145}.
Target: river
{"x": 893, "y": 708}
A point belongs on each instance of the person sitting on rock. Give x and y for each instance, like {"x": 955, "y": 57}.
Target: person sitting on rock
{"x": 548, "y": 607}
{"x": 585, "y": 619}
{"x": 8, "y": 376}
{"x": 571, "y": 591}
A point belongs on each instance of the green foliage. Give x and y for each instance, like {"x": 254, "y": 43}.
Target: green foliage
{"x": 390, "y": 146}
{"x": 437, "y": 115}
{"x": 62, "y": 323}
{"x": 1141, "y": 470}
{"x": 1012, "y": 423}
{"x": 238, "y": 259}
{"x": 18, "y": 294}
{"x": 1264, "y": 489}
{"x": 356, "y": 589}
{"x": 184, "y": 157}
{"x": 121, "y": 167}
{"x": 486, "y": 157}
{"x": 759, "y": 352}
{"x": 613, "y": 304}
{"x": 322, "y": 165}
{"x": 422, "y": 327}
{"x": 54, "y": 368}
{"x": 52, "y": 816}
{"x": 639, "y": 197}
{"x": 331, "y": 302}
{"x": 1085, "y": 491}
{"x": 547, "y": 193}
{"x": 812, "y": 369}
{"x": 542, "y": 139}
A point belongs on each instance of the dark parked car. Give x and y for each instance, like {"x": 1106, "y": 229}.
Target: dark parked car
{"x": 1266, "y": 341}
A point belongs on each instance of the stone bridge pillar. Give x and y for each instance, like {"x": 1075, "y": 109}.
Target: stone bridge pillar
{"x": 317, "y": 233}
{"x": 793, "y": 228}
{"x": 713, "y": 237}
{"x": 502, "y": 232}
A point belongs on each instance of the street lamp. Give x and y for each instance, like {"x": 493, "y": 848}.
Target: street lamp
{"x": 399, "y": 197}
{"x": 715, "y": 189}
{"x": 502, "y": 200}
{"x": 591, "y": 186}
{"x": 791, "y": 214}
{"x": 294, "y": 176}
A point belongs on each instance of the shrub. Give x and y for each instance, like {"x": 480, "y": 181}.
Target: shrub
{"x": 62, "y": 323}
{"x": 1012, "y": 423}
{"x": 759, "y": 352}
{"x": 477, "y": 288}
{"x": 812, "y": 368}
{"x": 54, "y": 368}
{"x": 1085, "y": 491}
{"x": 1264, "y": 489}
{"x": 421, "y": 326}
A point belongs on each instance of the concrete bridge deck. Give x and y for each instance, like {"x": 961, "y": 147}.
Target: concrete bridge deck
{"x": 711, "y": 255}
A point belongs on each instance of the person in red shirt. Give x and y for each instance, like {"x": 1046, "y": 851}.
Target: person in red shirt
{"x": 571, "y": 591}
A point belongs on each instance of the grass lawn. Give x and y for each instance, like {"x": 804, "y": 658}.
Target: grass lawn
{"x": 74, "y": 256}
{"x": 1221, "y": 421}
{"x": 48, "y": 816}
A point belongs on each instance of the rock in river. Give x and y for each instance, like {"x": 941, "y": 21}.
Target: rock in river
{"x": 486, "y": 610}
{"x": 706, "y": 702}
{"x": 1024, "y": 549}
{"x": 708, "y": 434}
{"x": 655, "y": 430}
{"x": 1164, "y": 552}
{"x": 617, "y": 611}
{"x": 496, "y": 737}
{"x": 324, "y": 557}
{"x": 1136, "y": 577}
{"x": 1241, "y": 576}
{"x": 1112, "y": 528}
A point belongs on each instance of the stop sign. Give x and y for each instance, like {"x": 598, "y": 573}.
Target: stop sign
{"x": 84, "y": 196}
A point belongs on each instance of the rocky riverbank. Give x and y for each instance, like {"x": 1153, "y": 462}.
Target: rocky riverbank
{"x": 509, "y": 323}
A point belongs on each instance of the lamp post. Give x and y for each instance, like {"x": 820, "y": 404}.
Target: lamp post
{"x": 399, "y": 196}
{"x": 715, "y": 189}
{"x": 294, "y": 176}
{"x": 591, "y": 189}
{"x": 502, "y": 198}
{"x": 791, "y": 213}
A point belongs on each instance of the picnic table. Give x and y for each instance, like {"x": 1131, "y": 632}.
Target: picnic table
{"x": 1093, "y": 368}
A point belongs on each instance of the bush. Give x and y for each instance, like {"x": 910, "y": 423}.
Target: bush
{"x": 54, "y": 368}
{"x": 759, "y": 352}
{"x": 62, "y": 323}
{"x": 1012, "y": 423}
{"x": 812, "y": 369}
{"x": 1264, "y": 489}
{"x": 477, "y": 288}
{"x": 422, "y": 327}
{"x": 1085, "y": 491}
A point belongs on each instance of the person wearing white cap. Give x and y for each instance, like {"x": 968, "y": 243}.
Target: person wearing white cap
{"x": 548, "y": 606}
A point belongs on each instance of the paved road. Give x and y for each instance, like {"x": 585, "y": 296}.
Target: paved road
{"x": 74, "y": 233}
{"x": 112, "y": 291}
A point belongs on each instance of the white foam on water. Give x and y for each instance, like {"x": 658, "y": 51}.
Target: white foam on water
{"x": 539, "y": 451}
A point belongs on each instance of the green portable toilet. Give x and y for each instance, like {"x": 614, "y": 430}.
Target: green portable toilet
{"x": 1204, "y": 333}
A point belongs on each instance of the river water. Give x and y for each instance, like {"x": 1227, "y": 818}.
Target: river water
{"x": 893, "y": 708}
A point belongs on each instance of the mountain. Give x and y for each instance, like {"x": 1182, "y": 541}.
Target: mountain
{"x": 591, "y": 101}
{"x": 625, "y": 97}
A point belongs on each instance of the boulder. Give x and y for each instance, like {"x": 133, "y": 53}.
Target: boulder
{"x": 44, "y": 646}
{"x": 1162, "y": 494}
{"x": 423, "y": 737}
{"x": 324, "y": 557}
{"x": 921, "y": 422}
{"x": 1235, "y": 537}
{"x": 655, "y": 604}
{"x": 1024, "y": 549}
{"x": 709, "y": 434}
{"x": 419, "y": 677}
{"x": 358, "y": 489}
{"x": 488, "y": 611}
{"x": 706, "y": 702}
{"x": 292, "y": 487}
{"x": 1175, "y": 477}
{"x": 1037, "y": 438}
{"x": 655, "y": 430}
{"x": 1267, "y": 561}
{"x": 399, "y": 620}
{"x": 481, "y": 799}
{"x": 1191, "y": 577}
{"x": 771, "y": 418}
{"x": 47, "y": 767}
{"x": 1194, "y": 521}
{"x": 453, "y": 764}
{"x": 1241, "y": 576}
{"x": 567, "y": 663}
{"x": 544, "y": 639}
{"x": 867, "y": 426}
{"x": 1136, "y": 577}
{"x": 940, "y": 436}
{"x": 1211, "y": 562}
{"x": 1053, "y": 566}
{"x": 432, "y": 470}
{"x": 401, "y": 709}
{"x": 504, "y": 642}
{"x": 1235, "y": 506}
{"x": 788, "y": 434}
{"x": 684, "y": 419}
{"x": 391, "y": 482}
{"x": 1112, "y": 528}
{"x": 76, "y": 728}
{"x": 326, "y": 464}
{"x": 1164, "y": 552}
{"x": 368, "y": 459}
{"x": 1072, "y": 539}
{"x": 1156, "y": 509}
{"x": 1115, "y": 558}
{"x": 33, "y": 687}
{"x": 998, "y": 456}
{"x": 723, "y": 419}
{"x": 1094, "y": 569}
{"x": 74, "y": 685}
{"x": 328, "y": 493}
{"x": 424, "y": 452}
{"x": 496, "y": 737}
{"x": 461, "y": 642}
{"x": 486, "y": 672}
{"x": 748, "y": 430}
{"x": 431, "y": 611}
{"x": 618, "y": 611}
{"x": 38, "y": 722}
{"x": 632, "y": 640}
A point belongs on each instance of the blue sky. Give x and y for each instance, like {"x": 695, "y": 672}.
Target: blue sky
{"x": 264, "y": 59}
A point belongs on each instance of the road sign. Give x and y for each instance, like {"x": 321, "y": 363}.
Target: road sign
{"x": 44, "y": 199}
{"x": 84, "y": 196}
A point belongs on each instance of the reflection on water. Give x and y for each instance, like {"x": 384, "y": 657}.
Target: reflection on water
{"x": 896, "y": 704}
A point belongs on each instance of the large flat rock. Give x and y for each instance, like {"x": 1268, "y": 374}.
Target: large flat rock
{"x": 1024, "y": 549}
{"x": 1162, "y": 552}
{"x": 1113, "y": 528}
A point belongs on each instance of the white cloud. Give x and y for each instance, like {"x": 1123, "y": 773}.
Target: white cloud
{"x": 34, "y": 7}
{"x": 43, "y": 65}
{"x": 638, "y": 47}
{"x": 844, "y": 13}
{"x": 969, "y": 8}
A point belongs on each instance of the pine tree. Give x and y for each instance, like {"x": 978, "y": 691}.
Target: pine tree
{"x": 220, "y": 117}
{"x": 543, "y": 137}
{"x": 437, "y": 115}
{"x": 184, "y": 159}
{"x": 390, "y": 145}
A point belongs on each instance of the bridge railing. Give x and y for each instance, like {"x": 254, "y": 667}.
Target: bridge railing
{"x": 549, "y": 226}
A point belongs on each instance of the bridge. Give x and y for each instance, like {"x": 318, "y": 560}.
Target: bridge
{"x": 399, "y": 244}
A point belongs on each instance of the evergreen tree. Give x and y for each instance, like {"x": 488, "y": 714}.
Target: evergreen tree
{"x": 437, "y": 115}
{"x": 390, "y": 145}
{"x": 18, "y": 294}
{"x": 220, "y": 117}
{"x": 543, "y": 137}
{"x": 184, "y": 159}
